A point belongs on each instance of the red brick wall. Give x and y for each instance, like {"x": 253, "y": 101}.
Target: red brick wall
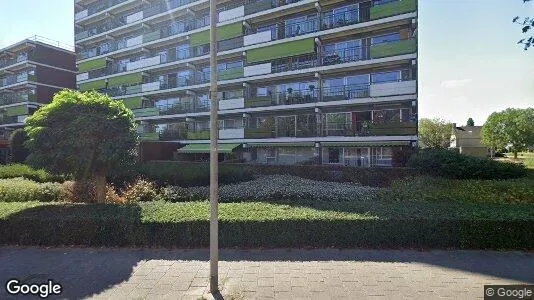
{"x": 55, "y": 77}
{"x": 54, "y": 57}
{"x": 45, "y": 93}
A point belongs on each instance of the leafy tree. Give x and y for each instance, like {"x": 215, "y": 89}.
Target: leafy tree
{"x": 83, "y": 134}
{"x": 18, "y": 150}
{"x": 527, "y": 24}
{"x": 435, "y": 133}
{"x": 470, "y": 122}
{"x": 511, "y": 127}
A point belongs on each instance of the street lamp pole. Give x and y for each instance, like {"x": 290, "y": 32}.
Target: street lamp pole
{"x": 214, "y": 155}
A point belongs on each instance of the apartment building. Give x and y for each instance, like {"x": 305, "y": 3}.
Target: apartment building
{"x": 300, "y": 81}
{"x": 31, "y": 72}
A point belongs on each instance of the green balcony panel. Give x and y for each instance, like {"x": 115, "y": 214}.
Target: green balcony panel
{"x": 129, "y": 79}
{"x": 92, "y": 65}
{"x": 254, "y": 7}
{"x": 133, "y": 103}
{"x": 149, "y": 136}
{"x": 287, "y": 49}
{"x": 205, "y": 148}
{"x": 16, "y": 110}
{"x": 152, "y": 36}
{"x": 258, "y": 133}
{"x": 93, "y": 85}
{"x": 199, "y": 38}
{"x": 229, "y": 31}
{"x": 393, "y": 9}
{"x": 146, "y": 112}
{"x": 258, "y": 101}
{"x": 231, "y": 74}
{"x": 223, "y": 33}
{"x": 393, "y": 48}
{"x": 402, "y": 128}
{"x": 198, "y": 135}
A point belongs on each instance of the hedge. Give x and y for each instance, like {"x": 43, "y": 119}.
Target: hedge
{"x": 374, "y": 225}
{"x": 20, "y": 170}
{"x": 451, "y": 164}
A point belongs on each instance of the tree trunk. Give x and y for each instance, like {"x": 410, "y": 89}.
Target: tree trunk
{"x": 100, "y": 185}
{"x": 515, "y": 154}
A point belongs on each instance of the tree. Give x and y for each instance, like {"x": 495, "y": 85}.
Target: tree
{"x": 470, "y": 122}
{"x": 527, "y": 24}
{"x": 511, "y": 127}
{"x": 435, "y": 133}
{"x": 18, "y": 150}
{"x": 83, "y": 134}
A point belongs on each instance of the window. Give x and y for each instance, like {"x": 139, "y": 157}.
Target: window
{"x": 345, "y": 14}
{"x": 182, "y": 51}
{"x": 300, "y": 25}
{"x": 394, "y": 76}
{"x": 264, "y": 91}
{"x": 334, "y": 155}
{"x": 272, "y": 28}
{"x": 392, "y": 37}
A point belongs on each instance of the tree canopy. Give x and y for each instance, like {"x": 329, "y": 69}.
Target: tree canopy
{"x": 83, "y": 134}
{"x": 435, "y": 133}
{"x": 511, "y": 127}
{"x": 18, "y": 150}
{"x": 470, "y": 122}
{"x": 527, "y": 24}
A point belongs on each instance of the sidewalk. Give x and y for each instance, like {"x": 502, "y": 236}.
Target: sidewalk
{"x": 266, "y": 274}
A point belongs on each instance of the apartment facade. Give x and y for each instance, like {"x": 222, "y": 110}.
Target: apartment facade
{"x": 300, "y": 81}
{"x": 31, "y": 72}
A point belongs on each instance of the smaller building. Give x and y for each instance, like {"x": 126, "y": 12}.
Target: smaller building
{"x": 467, "y": 140}
{"x": 31, "y": 72}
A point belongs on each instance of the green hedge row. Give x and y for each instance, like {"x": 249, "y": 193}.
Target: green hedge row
{"x": 451, "y": 164}
{"x": 24, "y": 171}
{"x": 187, "y": 225}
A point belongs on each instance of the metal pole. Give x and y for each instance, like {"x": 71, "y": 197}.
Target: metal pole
{"x": 214, "y": 155}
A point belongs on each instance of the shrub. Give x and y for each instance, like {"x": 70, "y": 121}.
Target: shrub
{"x": 277, "y": 188}
{"x": 185, "y": 174}
{"x": 23, "y": 190}
{"x": 473, "y": 191}
{"x": 19, "y": 170}
{"x": 358, "y": 224}
{"x": 450, "y": 164}
{"x": 140, "y": 190}
{"x": 19, "y": 152}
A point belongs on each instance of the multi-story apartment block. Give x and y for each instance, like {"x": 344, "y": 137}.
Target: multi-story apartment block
{"x": 300, "y": 81}
{"x": 31, "y": 72}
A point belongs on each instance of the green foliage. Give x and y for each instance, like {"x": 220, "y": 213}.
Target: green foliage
{"x": 23, "y": 190}
{"x": 472, "y": 191}
{"x": 375, "y": 224}
{"x": 435, "y": 133}
{"x": 191, "y": 174}
{"x": 19, "y": 152}
{"x": 451, "y": 164}
{"x": 527, "y": 24}
{"x": 470, "y": 122}
{"x": 19, "y": 170}
{"x": 83, "y": 134}
{"x": 512, "y": 126}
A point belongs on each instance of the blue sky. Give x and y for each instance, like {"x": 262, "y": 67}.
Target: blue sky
{"x": 469, "y": 65}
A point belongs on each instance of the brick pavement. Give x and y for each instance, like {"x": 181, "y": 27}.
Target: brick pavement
{"x": 266, "y": 274}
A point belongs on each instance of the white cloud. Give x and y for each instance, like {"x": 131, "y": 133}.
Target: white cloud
{"x": 455, "y": 83}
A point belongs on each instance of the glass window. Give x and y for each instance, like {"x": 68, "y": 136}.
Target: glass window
{"x": 386, "y": 77}
{"x": 357, "y": 80}
{"x": 392, "y": 37}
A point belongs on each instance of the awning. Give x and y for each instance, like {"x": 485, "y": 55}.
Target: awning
{"x": 295, "y": 144}
{"x": 366, "y": 144}
{"x": 205, "y": 148}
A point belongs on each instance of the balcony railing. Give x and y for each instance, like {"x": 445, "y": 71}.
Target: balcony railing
{"x": 185, "y": 107}
{"x": 20, "y": 58}
{"x": 97, "y": 7}
{"x": 16, "y": 79}
{"x": 12, "y": 98}
{"x": 369, "y": 128}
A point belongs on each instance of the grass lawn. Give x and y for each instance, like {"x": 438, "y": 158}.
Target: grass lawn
{"x": 527, "y": 158}
{"x": 384, "y": 224}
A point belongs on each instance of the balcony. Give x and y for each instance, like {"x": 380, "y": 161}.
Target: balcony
{"x": 11, "y": 61}
{"x": 393, "y": 8}
{"x": 369, "y": 128}
{"x": 16, "y": 79}
{"x": 259, "y": 133}
{"x": 96, "y": 7}
{"x": 393, "y": 48}
{"x": 198, "y": 135}
{"x": 12, "y": 98}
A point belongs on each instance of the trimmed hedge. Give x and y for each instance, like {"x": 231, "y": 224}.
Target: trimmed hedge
{"x": 20, "y": 170}
{"x": 22, "y": 190}
{"x": 361, "y": 224}
{"x": 451, "y": 164}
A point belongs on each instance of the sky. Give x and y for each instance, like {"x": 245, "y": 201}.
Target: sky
{"x": 469, "y": 62}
